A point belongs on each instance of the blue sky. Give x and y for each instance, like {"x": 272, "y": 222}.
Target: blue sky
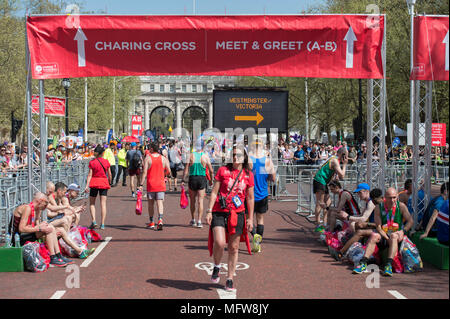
{"x": 201, "y": 6}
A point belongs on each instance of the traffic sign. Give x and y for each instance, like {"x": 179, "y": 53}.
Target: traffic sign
{"x": 438, "y": 134}
{"x": 250, "y": 108}
{"x": 136, "y": 125}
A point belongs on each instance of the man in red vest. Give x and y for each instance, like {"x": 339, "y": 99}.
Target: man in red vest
{"x": 156, "y": 167}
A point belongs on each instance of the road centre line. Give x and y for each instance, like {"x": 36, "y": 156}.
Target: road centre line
{"x": 88, "y": 260}
{"x": 396, "y": 294}
{"x": 223, "y": 294}
{"x": 58, "y": 294}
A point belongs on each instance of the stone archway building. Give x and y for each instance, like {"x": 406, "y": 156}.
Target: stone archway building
{"x": 178, "y": 93}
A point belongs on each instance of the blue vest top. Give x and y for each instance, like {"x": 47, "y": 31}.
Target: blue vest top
{"x": 260, "y": 175}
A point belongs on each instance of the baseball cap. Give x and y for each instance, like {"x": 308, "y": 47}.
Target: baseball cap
{"x": 362, "y": 186}
{"x": 133, "y": 144}
{"x": 73, "y": 187}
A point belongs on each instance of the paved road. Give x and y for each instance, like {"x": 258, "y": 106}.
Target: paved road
{"x": 135, "y": 262}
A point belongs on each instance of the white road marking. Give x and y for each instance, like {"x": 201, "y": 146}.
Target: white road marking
{"x": 96, "y": 252}
{"x": 396, "y": 294}
{"x": 58, "y": 294}
{"x": 223, "y": 294}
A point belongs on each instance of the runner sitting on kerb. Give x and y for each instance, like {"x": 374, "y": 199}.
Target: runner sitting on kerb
{"x": 393, "y": 221}
{"x": 27, "y": 223}
{"x": 323, "y": 176}
{"x": 364, "y": 224}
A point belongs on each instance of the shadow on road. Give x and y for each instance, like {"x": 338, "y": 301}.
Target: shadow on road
{"x": 183, "y": 284}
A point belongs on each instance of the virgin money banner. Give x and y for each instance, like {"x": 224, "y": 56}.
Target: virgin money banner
{"x": 327, "y": 46}
{"x": 53, "y": 106}
{"x": 431, "y": 60}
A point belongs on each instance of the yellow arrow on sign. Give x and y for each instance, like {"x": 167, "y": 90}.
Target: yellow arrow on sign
{"x": 258, "y": 118}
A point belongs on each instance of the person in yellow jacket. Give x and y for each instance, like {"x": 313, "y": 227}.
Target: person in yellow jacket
{"x": 109, "y": 156}
{"x": 121, "y": 157}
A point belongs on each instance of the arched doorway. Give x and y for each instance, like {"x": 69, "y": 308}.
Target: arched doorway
{"x": 161, "y": 119}
{"x": 191, "y": 114}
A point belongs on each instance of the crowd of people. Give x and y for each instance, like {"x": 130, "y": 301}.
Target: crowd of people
{"x": 239, "y": 197}
{"x": 381, "y": 224}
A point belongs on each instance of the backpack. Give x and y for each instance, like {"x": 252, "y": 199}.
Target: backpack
{"x": 136, "y": 161}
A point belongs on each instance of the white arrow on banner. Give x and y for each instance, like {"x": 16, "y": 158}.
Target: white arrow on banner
{"x": 350, "y": 37}
{"x": 80, "y": 37}
{"x": 446, "y": 51}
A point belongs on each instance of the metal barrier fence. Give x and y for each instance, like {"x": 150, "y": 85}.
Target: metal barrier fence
{"x": 14, "y": 187}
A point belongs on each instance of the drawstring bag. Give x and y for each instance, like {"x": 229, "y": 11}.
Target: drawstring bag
{"x": 410, "y": 256}
{"x": 139, "y": 203}
{"x": 184, "y": 202}
{"x": 32, "y": 259}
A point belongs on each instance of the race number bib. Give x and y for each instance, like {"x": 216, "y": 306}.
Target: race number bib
{"x": 237, "y": 201}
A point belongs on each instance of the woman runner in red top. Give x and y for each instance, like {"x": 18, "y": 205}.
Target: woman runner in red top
{"x": 233, "y": 186}
{"x": 98, "y": 180}
{"x": 156, "y": 167}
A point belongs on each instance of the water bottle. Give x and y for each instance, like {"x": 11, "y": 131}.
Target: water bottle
{"x": 8, "y": 241}
{"x": 17, "y": 240}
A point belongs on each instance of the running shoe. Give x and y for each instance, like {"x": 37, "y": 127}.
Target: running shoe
{"x": 229, "y": 285}
{"x": 57, "y": 262}
{"x": 67, "y": 261}
{"x": 151, "y": 225}
{"x": 192, "y": 222}
{"x": 257, "y": 239}
{"x": 215, "y": 275}
{"x": 337, "y": 255}
{"x": 102, "y": 226}
{"x": 387, "y": 270}
{"x": 319, "y": 229}
{"x": 160, "y": 225}
{"x": 84, "y": 254}
{"x": 93, "y": 225}
{"x": 133, "y": 194}
{"x": 362, "y": 267}
{"x": 199, "y": 225}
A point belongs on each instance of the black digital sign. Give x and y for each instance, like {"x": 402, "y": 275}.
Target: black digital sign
{"x": 250, "y": 108}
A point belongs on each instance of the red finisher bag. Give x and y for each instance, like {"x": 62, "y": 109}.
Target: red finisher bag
{"x": 208, "y": 177}
{"x": 94, "y": 235}
{"x": 45, "y": 254}
{"x": 184, "y": 202}
{"x": 139, "y": 203}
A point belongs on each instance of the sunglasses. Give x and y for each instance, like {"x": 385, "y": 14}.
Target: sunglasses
{"x": 391, "y": 197}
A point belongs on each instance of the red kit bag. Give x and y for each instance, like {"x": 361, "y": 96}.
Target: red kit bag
{"x": 139, "y": 203}
{"x": 184, "y": 202}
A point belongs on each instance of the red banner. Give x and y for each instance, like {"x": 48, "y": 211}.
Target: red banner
{"x": 136, "y": 125}
{"x": 431, "y": 60}
{"x": 438, "y": 134}
{"x": 53, "y": 106}
{"x": 325, "y": 46}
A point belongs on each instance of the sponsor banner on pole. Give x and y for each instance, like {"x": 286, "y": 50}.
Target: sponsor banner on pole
{"x": 54, "y": 106}
{"x": 325, "y": 46}
{"x": 431, "y": 50}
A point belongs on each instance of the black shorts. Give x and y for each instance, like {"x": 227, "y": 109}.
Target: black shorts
{"x": 59, "y": 216}
{"x": 220, "y": 219}
{"x": 94, "y": 191}
{"x": 382, "y": 244}
{"x": 319, "y": 187}
{"x": 173, "y": 171}
{"x": 262, "y": 206}
{"x": 197, "y": 183}
{"x": 24, "y": 237}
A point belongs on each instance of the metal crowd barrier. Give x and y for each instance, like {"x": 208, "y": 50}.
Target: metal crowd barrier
{"x": 14, "y": 187}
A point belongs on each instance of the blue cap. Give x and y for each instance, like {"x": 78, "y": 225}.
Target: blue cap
{"x": 362, "y": 186}
{"x": 133, "y": 144}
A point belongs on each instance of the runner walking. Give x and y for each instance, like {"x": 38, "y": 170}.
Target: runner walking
{"x": 134, "y": 164}
{"x": 323, "y": 176}
{"x": 263, "y": 170}
{"x": 198, "y": 163}
{"x": 156, "y": 166}
{"x": 233, "y": 185}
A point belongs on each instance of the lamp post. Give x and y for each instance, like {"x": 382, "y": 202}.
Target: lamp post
{"x": 66, "y": 85}
{"x": 411, "y": 4}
